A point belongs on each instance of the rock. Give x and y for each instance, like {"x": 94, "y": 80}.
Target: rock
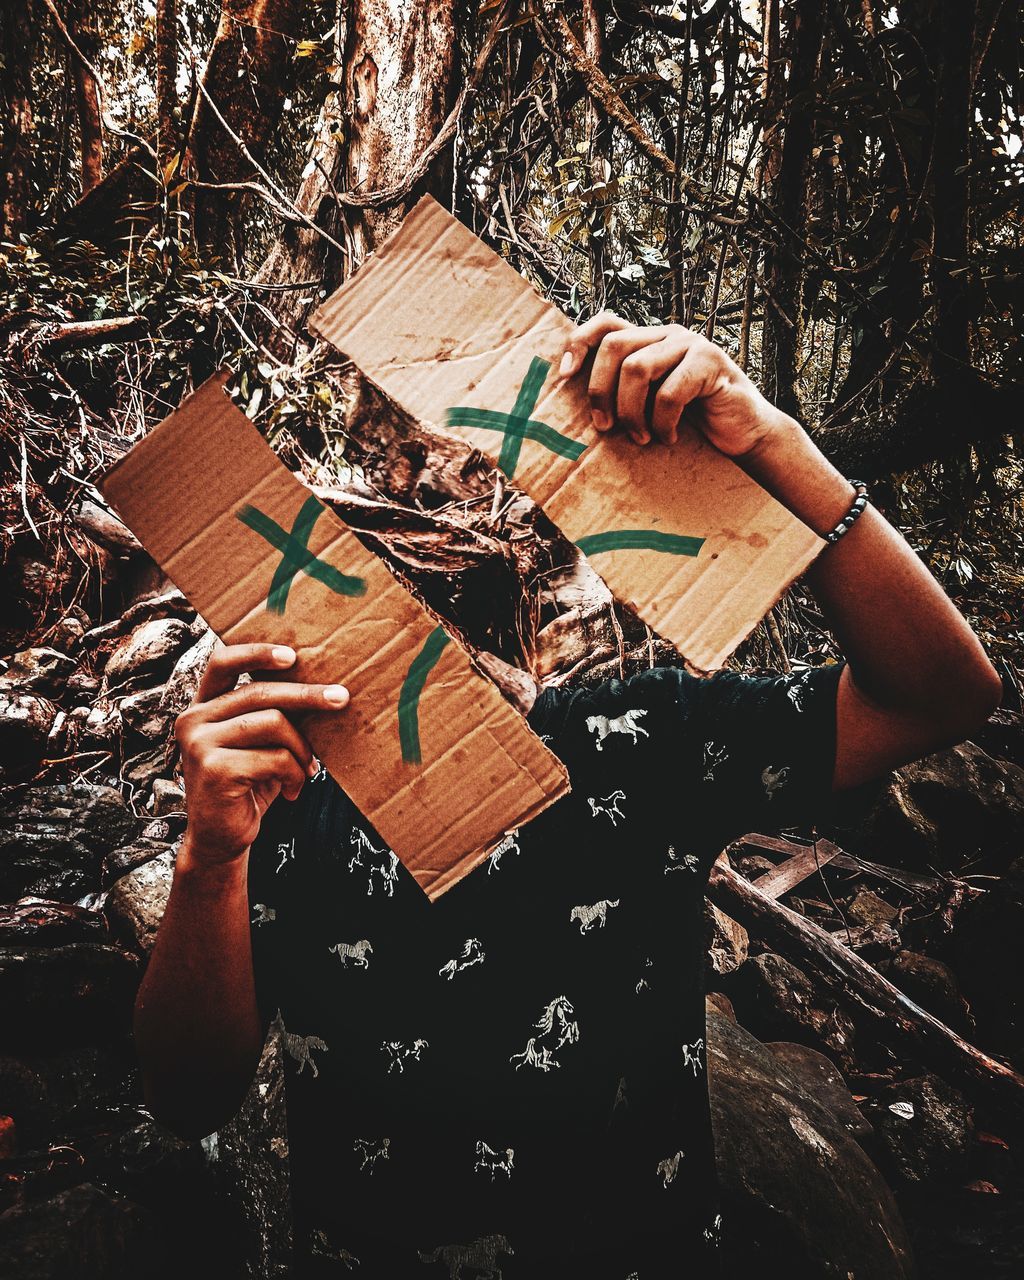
{"x": 875, "y": 942}
{"x": 924, "y": 1130}
{"x": 718, "y": 1002}
{"x": 82, "y": 687}
{"x": 795, "y": 1183}
{"x": 183, "y": 682}
{"x": 1002, "y": 736}
{"x": 142, "y": 713}
{"x": 67, "y": 634}
{"x": 124, "y": 1148}
{"x": 81, "y": 991}
{"x": 777, "y": 1001}
{"x": 130, "y": 856}
{"x": 135, "y": 904}
{"x": 43, "y": 671}
{"x": 146, "y": 654}
{"x": 726, "y": 941}
{"x": 143, "y": 769}
{"x": 822, "y": 1078}
{"x": 81, "y": 1234}
{"x": 931, "y": 984}
{"x": 168, "y": 797}
{"x": 53, "y": 839}
{"x": 26, "y": 1099}
{"x": 168, "y": 604}
{"x": 940, "y": 811}
{"x": 34, "y": 922}
{"x": 751, "y": 865}
{"x": 986, "y": 951}
{"x": 26, "y": 721}
{"x": 46, "y": 1092}
{"x": 868, "y": 908}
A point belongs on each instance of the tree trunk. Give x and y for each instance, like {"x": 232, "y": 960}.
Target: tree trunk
{"x": 599, "y": 143}
{"x": 246, "y": 78}
{"x": 82, "y": 25}
{"x": 788, "y": 199}
{"x": 167, "y": 112}
{"x": 17, "y": 32}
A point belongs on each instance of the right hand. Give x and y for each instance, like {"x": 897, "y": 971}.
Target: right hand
{"x": 240, "y": 748}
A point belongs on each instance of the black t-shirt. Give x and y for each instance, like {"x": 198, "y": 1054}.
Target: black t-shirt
{"x": 511, "y": 1081}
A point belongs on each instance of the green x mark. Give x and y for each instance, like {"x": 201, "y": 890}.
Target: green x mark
{"x": 518, "y": 426}
{"x": 296, "y": 556}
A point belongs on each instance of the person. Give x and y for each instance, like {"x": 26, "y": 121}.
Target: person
{"x": 512, "y": 1081}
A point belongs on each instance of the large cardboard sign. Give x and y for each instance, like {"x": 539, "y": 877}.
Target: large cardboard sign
{"x": 428, "y": 749}
{"x": 449, "y": 330}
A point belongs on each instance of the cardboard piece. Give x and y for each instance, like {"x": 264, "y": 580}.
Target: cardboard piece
{"x": 457, "y": 337}
{"x": 428, "y": 749}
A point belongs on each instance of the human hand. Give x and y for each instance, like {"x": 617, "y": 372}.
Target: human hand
{"x": 647, "y": 379}
{"x": 240, "y": 748}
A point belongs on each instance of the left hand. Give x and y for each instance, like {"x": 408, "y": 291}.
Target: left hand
{"x": 690, "y": 377}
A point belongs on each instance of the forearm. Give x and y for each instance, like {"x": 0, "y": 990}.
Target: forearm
{"x": 197, "y": 1025}
{"x": 907, "y": 645}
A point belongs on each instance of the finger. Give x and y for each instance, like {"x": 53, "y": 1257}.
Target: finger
{"x": 585, "y": 337}
{"x": 604, "y": 376}
{"x": 229, "y": 661}
{"x": 262, "y": 729}
{"x": 694, "y": 376}
{"x": 642, "y": 370}
{"x": 292, "y": 699}
{"x": 274, "y": 766}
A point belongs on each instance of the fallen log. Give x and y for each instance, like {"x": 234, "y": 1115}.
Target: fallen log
{"x": 900, "y": 1023}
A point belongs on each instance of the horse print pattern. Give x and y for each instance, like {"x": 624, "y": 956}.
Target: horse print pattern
{"x": 437, "y": 1024}
{"x": 627, "y": 723}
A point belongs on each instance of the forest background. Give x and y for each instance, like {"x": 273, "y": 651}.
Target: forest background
{"x": 829, "y": 190}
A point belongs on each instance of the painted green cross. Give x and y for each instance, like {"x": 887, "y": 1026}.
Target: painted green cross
{"x": 675, "y": 544}
{"x": 296, "y": 556}
{"x": 409, "y": 696}
{"x": 518, "y": 426}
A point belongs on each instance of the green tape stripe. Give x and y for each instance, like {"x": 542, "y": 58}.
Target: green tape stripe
{"x": 409, "y": 697}
{"x": 296, "y": 557}
{"x": 675, "y": 544}
{"x": 527, "y": 428}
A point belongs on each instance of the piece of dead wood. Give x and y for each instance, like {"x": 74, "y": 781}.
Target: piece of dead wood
{"x": 787, "y": 875}
{"x": 901, "y": 1023}
{"x": 912, "y": 881}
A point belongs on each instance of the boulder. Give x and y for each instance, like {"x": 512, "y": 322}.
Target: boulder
{"x": 135, "y": 904}
{"x": 35, "y": 922}
{"x": 924, "y": 1130}
{"x": 183, "y": 682}
{"x": 53, "y": 839}
{"x": 168, "y": 797}
{"x": 794, "y": 1182}
{"x": 119, "y": 862}
{"x": 142, "y": 714}
{"x": 82, "y": 1233}
{"x": 146, "y": 654}
{"x": 26, "y": 721}
{"x": 942, "y": 810}
{"x": 867, "y": 908}
{"x": 67, "y": 634}
{"x": 777, "y": 1001}
{"x": 40, "y": 670}
{"x": 933, "y": 986}
{"x": 81, "y": 991}
{"x": 47, "y": 1092}
{"x": 822, "y": 1078}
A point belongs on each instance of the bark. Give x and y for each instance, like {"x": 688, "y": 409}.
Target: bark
{"x": 599, "y": 142}
{"x": 84, "y": 32}
{"x": 787, "y": 199}
{"x": 17, "y": 32}
{"x": 246, "y": 77}
{"x": 167, "y": 110}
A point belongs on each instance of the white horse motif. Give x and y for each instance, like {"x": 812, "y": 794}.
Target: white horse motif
{"x": 713, "y": 1234}
{"x": 398, "y": 1052}
{"x": 608, "y": 805}
{"x": 300, "y": 1047}
{"x": 713, "y": 757}
{"x": 355, "y": 953}
{"x": 773, "y": 779}
{"x": 692, "y": 1055}
{"x": 371, "y": 1150}
{"x": 628, "y": 722}
{"x": 287, "y": 851}
{"x": 668, "y": 1168}
{"x": 595, "y": 914}
{"x": 558, "y": 1024}
{"x": 322, "y": 1248}
{"x": 681, "y": 861}
{"x": 492, "y": 1162}
{"x": 472, "y": 953}
{"x": 798, "y": 690}
{"x": 376, "y": 862}
{"x": 262, "y": 914}
{"x": 509, "y": 845}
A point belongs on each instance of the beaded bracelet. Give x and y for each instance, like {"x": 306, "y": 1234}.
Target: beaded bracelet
{"x": 859, "y": 503}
